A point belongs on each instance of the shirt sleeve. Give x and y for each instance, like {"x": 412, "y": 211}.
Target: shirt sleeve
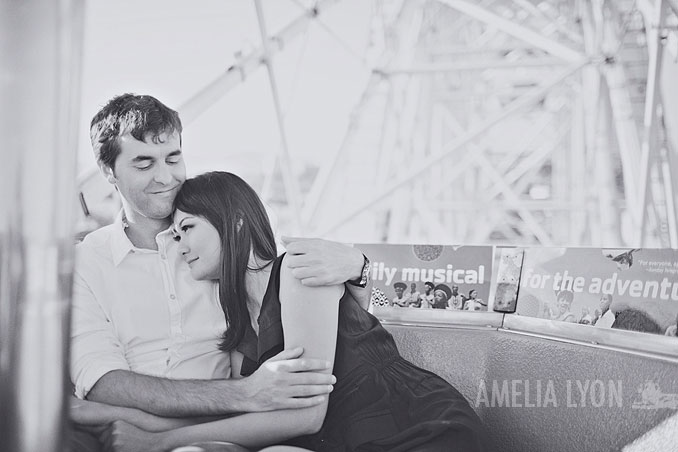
{"x": 95, "y": 348}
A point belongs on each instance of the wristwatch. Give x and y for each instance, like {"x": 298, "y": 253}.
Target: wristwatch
{"x": 364, "y": 275}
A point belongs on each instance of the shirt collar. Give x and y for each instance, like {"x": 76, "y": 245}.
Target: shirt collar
{"x": 120, "y": 243}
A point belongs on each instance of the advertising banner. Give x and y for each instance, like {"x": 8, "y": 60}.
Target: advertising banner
{"x": 633, "y": 289}
{"x": 431, "y": 276}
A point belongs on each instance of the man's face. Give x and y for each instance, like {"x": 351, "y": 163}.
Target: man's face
{"x": 455, "y": 290}
{"x": 148, "y": 175}
{"x": 399, "y": 291}
{"x": 605, "y": 302}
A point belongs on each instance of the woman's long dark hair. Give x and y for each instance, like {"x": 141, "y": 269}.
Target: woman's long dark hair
{"x": 235, "y": 210}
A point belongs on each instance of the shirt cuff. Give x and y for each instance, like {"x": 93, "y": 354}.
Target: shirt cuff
{"x": 85, "y": 379}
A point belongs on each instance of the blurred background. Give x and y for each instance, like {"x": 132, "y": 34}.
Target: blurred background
{"x": 410, "y": 121}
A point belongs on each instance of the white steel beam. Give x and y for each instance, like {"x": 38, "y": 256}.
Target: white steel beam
{"x": 433, "y": 68}
{"x": 328, "y": 171}
{"x": 338, "y": 39}
{"x": 674, "y": 6}
{"x": 513, "y": 201}
{"x": 533, "y": 96}
{"x": 518, "y": 31}
{"x": 521, "y": 176}
{"x": 578, "y": 218}
{"x": 655, "y": 49}
{"x": 528, "y": 6}
{"x": 669, "y": 193}
{"x": 608, "y": 216}
{"x": 407, "y": 26}
{"x": 292, "y": 191}
{"x": 470, "y": 205}
{"x": 627, "y": 137}
{"x": 236, "y": 74}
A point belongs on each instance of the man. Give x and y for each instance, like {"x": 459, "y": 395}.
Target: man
{"x": 604, "y": 317}
{"x": 144, "y": 333}
{"x": 414, "y": 295}
{"x": 456, "y": 301}
{"x": 400, "y": 299}
{"x": 428, "y": 297}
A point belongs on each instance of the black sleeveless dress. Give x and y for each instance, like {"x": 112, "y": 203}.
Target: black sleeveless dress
{"x": 381, "y": 402}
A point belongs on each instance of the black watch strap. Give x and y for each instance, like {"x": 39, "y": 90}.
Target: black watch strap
{"x": 364, "y": 275}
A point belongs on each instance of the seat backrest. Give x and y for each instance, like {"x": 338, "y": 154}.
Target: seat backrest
{"x": 536, "y": 394}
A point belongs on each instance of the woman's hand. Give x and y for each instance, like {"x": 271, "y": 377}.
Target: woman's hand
{"x": 123, "y": 437}
{"x": 95, "y": 417}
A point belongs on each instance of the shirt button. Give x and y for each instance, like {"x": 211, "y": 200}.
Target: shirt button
{"x": 172, "y": 297}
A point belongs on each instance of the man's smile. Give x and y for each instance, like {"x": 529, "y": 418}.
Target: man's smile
{"x": 164, "y": 192}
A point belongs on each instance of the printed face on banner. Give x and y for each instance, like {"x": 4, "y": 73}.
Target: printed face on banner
{"x": 632, "y": 289}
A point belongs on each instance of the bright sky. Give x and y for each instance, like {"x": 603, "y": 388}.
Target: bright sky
{"x": 172, "y": 48}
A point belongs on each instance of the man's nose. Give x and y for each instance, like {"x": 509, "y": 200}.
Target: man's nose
{"x": 163, "y": 174}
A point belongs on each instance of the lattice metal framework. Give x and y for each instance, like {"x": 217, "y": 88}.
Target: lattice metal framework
{"x": 513, "y": 122}
{"x": 519, "y": 122}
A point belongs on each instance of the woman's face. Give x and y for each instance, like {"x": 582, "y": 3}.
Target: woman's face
{"x": 439, "y": 296}
{"x": 199, "y": 245}
{"x": 563, "y": 304}
{"x": 473, "y": 294}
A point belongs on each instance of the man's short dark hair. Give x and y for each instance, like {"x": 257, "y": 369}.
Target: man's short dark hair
{"x": 137, "y": 115}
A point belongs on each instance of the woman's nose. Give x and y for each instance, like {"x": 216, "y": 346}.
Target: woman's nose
{"x": 183, "y": 248}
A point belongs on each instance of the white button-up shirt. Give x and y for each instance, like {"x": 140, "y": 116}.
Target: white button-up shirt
{"x": 140, "y": 310}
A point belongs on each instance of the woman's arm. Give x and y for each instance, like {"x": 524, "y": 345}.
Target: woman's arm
{"x": 309, "y": 318}
{"x": 88, "y": 414}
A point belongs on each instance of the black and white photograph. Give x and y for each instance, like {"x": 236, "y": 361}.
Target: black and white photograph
{"x": 339, "y": 225}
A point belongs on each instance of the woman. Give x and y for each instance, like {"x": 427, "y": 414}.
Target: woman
{"x": 564, "y": 301}
{"x": 380, "y": 401}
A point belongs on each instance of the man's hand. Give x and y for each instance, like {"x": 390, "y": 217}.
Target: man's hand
{"x": 287, "y": 381}
{"x": 318, "y": 262}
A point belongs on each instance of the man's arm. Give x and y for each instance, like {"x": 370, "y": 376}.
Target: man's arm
{"x": 101, "y": 373}
{"x": 318, "y": 262}
{"x": 283, "y": 382}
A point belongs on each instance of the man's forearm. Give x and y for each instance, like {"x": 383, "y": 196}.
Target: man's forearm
{"x": 170, "y": 398}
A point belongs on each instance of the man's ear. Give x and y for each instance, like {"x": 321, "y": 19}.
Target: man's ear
{"x": 108, "y": 173}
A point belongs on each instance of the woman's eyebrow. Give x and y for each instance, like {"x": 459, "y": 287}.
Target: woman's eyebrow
{"x": 184, "y": 219}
